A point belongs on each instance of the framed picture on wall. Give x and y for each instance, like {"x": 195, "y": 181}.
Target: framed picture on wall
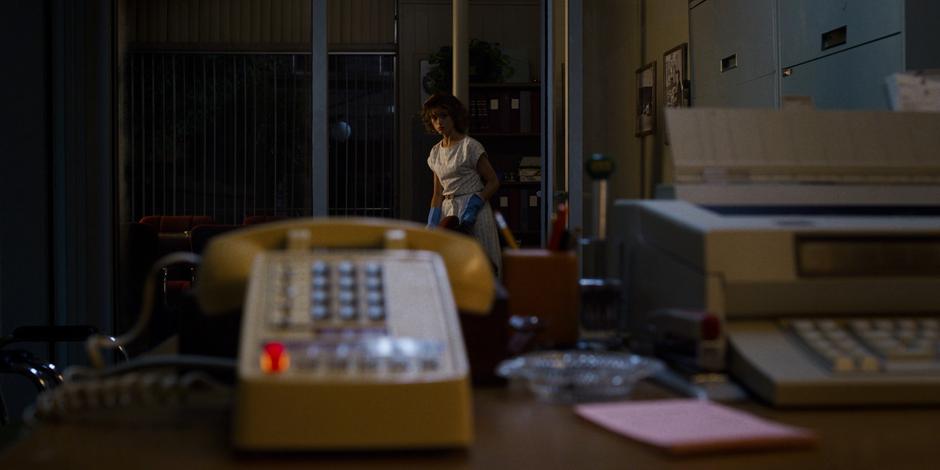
{"x": 646, "y": 100}
{"x": 675, "y": 80}
{"x": 675, "y": 77}
{"x": 424, "y": 68}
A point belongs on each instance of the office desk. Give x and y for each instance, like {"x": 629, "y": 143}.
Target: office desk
{"x": 512, "y": 431}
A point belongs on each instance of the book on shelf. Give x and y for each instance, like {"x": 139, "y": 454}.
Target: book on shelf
{"x": 530, "y": 174}
{"x": 504, "y": 111}
{"x": 530, "y": 162}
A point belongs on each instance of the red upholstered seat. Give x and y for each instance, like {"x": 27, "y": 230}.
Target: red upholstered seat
{"x": 175, "y": 223}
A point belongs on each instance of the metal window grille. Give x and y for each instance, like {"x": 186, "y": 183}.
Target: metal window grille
{"x": 228, "y": 135}
{"x": 363, "y": 167}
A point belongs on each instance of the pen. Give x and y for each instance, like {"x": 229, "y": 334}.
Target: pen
{"x": 504, "y": 229}
{"x": 558, "y": 228}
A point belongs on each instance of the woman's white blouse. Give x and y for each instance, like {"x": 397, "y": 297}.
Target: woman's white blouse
{"x": 456, "y": 166}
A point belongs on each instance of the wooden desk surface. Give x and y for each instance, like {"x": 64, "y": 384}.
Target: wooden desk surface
{"x": 512, "y": 431}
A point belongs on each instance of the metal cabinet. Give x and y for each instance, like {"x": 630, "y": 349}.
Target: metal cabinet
{"x": 810, "y": 29}
{"x": 854, "y": 79}
{"x": 703, "y": 58}
{"x": 733, "y": 46}
{"x": 838, "y": 52}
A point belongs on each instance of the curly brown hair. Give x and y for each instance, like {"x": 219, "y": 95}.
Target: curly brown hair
{"x": 449, "y": 103}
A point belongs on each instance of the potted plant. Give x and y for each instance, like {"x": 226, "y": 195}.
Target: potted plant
{"x": 488, "y": 64}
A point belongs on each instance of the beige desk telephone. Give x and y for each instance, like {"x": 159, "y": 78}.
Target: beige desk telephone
{"x": 350, "y": 336}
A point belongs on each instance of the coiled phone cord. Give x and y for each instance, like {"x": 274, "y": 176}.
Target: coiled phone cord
{"x": 130, "y": 384}
{"x": 96, "y": 343}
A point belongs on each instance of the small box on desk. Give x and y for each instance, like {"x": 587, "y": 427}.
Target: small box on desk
{"x": 544, "y": 284}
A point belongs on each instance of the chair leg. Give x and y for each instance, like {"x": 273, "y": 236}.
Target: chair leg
{"x": 43, "y": 376}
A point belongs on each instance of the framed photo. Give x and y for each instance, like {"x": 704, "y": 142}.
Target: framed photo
{"x": 675, "y": 77}
{"x": 424, "y": 68}
{"x": 646, "y": 100}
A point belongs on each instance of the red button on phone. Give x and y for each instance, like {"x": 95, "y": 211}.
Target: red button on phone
{"x": 274, "y": 357}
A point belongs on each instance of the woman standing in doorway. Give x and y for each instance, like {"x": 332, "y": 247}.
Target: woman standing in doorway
{"x": 464, "y": 180}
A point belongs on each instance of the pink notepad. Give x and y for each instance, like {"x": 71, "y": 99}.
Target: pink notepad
{"x": 693, "y": 426}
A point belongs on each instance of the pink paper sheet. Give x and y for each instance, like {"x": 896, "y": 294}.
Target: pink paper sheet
{"x": 693, "y": 426}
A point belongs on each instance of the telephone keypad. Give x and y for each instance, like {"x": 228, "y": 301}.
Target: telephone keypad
{"x": 346, "y": 297}
{"x": 373, "y": 283}
{"x": 374, "y": 298}
{"x": 319, "y": 296}
{"x": 347, "y": 312}
{"x": 319, "y": 312}
{"x": 319, "y": 268}
{"x": 347, "y": 282}
{"x": 307, "y": 294}
{"x": 334, "y": 318}
{"x": 320, "y": 282}
{"x": 376, "y": 313}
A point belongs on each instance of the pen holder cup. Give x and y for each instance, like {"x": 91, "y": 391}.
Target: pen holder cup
{"x": 544, "y": 284}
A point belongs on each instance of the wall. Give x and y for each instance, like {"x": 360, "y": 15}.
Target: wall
{"x": 666, "y": 26}
{"x": 25, "y": 261}
{"x": 611, "y": 56}
{"x": 266, "y": 25}
{"x": 425, "y": 26}
{"x": 56, "y": 244}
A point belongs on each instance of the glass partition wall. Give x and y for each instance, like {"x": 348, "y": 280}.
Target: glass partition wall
{"x": 216, "y": 127}
{"x": 221, "y": 135}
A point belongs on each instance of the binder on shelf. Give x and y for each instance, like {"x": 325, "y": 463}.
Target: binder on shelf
{"x": 529, "y": 213}
{"x": 495, "y": 109}
{"x": 525, "y": 112}
{"x": 513, "y": 111}
{"x": 509, "y": 109}
{"x": 506, "y": 201}
{"x": 479, "y": 117}
{"x": 535, "y": 117}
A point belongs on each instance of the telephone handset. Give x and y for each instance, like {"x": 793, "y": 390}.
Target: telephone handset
{"x": 227, "y": 260}
{"x": 350, "y": 337}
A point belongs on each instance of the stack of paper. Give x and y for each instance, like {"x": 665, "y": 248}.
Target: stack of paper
{"x": 693, "y": 426}
{"x": 915, "y": 91}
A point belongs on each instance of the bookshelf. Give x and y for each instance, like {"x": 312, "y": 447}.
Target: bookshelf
{"x": 506, "y": 119}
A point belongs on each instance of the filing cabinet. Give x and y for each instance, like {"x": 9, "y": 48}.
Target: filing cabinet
{"x": 838, "y": 52}
{"x": 810, "y": 29}
{"x": 733, "y": 53}
{"x": 853, "y": 79}
{"x": 703, "y": 60}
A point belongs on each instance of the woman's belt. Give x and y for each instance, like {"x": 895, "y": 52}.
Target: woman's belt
{"x": 451, "y": 196}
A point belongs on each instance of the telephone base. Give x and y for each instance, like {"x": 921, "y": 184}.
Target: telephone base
{"x": 357, "y": 417}
{"x": 351, "y": 349}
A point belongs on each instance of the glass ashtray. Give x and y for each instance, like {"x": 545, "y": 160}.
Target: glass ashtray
{"x": 579, "y": 376}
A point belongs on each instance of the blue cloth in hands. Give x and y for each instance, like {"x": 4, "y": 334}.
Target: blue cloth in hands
{"x": 469, "y": 217}
{"x": 434, "y": 217}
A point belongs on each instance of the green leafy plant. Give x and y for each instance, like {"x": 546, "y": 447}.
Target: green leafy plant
{"x": 488, "y": 64}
